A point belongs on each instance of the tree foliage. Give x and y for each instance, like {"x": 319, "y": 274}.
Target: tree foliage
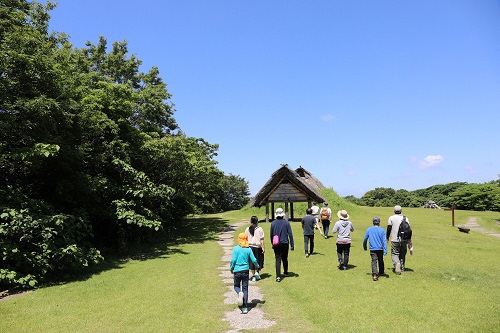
{"x": 90, "y": 153}
{"x": 465, "y": 196}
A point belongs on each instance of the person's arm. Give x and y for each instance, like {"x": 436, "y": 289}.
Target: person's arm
{"x": 335, "y": 228}
{"x": 233, "y": 261}
{"x": 262, "y": 245}
{"x": 365, "y": 240}
{"x": 290, "y": 236}
{"x": 388, "y": 234}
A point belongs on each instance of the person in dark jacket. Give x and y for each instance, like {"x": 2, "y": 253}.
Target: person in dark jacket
{"x": 281, "y": 228}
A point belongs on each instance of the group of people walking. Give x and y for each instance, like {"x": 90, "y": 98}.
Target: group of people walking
{"x": 248, "y": 255}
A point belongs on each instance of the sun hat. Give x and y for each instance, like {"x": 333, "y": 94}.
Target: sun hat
{"x": 325, "y": 203}
{"x": 280, "y": 212}
{"x": 342, "y": 214}
{"x": 243, "y": 239}
{"x": 397, "y": 209}
{"x": 376, "y": 220}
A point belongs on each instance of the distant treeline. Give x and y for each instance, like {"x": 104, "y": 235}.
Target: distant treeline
{"x": 465, "y": 196}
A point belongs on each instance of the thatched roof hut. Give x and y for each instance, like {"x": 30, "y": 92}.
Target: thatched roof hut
{"x": 288, "y": 186}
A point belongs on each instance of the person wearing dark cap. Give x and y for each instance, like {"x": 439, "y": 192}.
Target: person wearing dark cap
{"x": 378, "y": 247}
{"x": 398, "y": 246}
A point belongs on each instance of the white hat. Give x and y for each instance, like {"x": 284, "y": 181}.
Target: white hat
{"x": 280, "y": 212}
{"x": 342, "y": 214}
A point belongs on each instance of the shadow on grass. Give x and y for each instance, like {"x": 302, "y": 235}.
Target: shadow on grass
{"x": 187, "y": 231}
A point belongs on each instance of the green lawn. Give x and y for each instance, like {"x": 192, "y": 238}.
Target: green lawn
{"x": 452, "y": 285}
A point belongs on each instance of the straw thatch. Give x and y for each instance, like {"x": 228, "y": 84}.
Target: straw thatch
{"x": 287, "y": 185}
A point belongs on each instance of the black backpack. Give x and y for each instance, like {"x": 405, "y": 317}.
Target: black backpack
{"x": 404, "y": 231}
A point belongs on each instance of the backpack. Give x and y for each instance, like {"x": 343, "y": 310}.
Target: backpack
{"x": 324, "y": 214}
{"x": 404, "y": 231}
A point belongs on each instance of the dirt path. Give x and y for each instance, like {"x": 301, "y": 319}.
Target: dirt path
{"x": 238, "y": 321}
{"x": 473, "y": 225}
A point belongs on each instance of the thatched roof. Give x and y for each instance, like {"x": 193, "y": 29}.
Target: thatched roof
{"x": 287, "y": 185}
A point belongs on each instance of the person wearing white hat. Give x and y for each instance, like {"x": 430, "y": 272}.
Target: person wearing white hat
{"x": 282, "y": 240}
{"x": 398, "y": 246}
{"x": 344, "y": 227}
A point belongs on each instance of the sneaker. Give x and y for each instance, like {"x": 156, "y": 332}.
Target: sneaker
{"x": 307, "y": 255}
{"x": 240, "y": 298}
{"x": 326, "y": 237}
{"x": 286, "y": 274}
{"x": 375, "y": 277}
{"x": 244, "y": 310}
{"x": 278, "y": 279}
{"x": 253, "y": 279}
{"x": 257, "y": 276}
{"x": 344, "y": 268}
{"x": 397, "y": 270}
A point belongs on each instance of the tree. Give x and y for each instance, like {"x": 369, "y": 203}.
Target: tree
{"x": 90, "y": 153}
{"x": 235, "y": 193}
{"x": 477, "y": 197}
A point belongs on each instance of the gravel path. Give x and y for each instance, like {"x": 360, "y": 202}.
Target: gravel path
{"x": 473, "y": 225}
{"x": 238, "y": 321}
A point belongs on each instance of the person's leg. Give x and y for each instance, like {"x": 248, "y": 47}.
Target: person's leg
{"x": 395, "y": 256}
{"x": 237, "y": 282}
{"x": 277, "y": 256}
{"x": 380, "y": 258}
{"x": 339, "y": 255}
{"x": 284, "y": 257}
{"x": 311, "y": 250}
{"x": 373, "y": 255}
{"x": 326, "y": 227}
{"x": 244, "y": 286}
{"x": 347, "y": 249}
{"x": 306, "y": 241}
{"x": 402, "y": 255}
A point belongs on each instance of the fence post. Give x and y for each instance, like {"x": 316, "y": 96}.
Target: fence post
{"x": 452, "y": 215}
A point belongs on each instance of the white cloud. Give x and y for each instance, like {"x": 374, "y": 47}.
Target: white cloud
{"x": 431, "y": 161}
{"x": 471, "y": 169}
{"x": 328, "y": 117}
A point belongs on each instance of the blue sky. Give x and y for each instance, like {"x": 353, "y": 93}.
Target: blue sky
{"x": 363, "y": 94}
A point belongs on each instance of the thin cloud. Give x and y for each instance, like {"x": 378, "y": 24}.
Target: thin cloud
{"x": 328, "y": 117}
{"x": 471, "y": 169}
{"x": 431, "y": 161}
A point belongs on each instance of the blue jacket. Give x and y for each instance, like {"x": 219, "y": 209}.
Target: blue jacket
{"x": 377, "y": 239}
{"x": 240, "y": 258}
{"x": 282, "y": 228}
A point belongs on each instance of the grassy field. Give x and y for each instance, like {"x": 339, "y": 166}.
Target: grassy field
{"x": 452, "y": 283}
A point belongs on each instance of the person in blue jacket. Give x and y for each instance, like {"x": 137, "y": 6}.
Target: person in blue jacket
{"x": 239, "y": 266}
{"x": 378, "y": 247}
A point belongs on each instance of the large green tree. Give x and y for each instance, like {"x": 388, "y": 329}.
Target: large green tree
{"x": 90, "y": 153}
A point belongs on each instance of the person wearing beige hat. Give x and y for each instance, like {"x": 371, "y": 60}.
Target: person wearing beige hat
{"x": 344, "y": 228}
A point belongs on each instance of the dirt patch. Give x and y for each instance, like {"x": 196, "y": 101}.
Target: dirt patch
{"x": 473, "y": 225}
{"x": 13, "y": 293}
